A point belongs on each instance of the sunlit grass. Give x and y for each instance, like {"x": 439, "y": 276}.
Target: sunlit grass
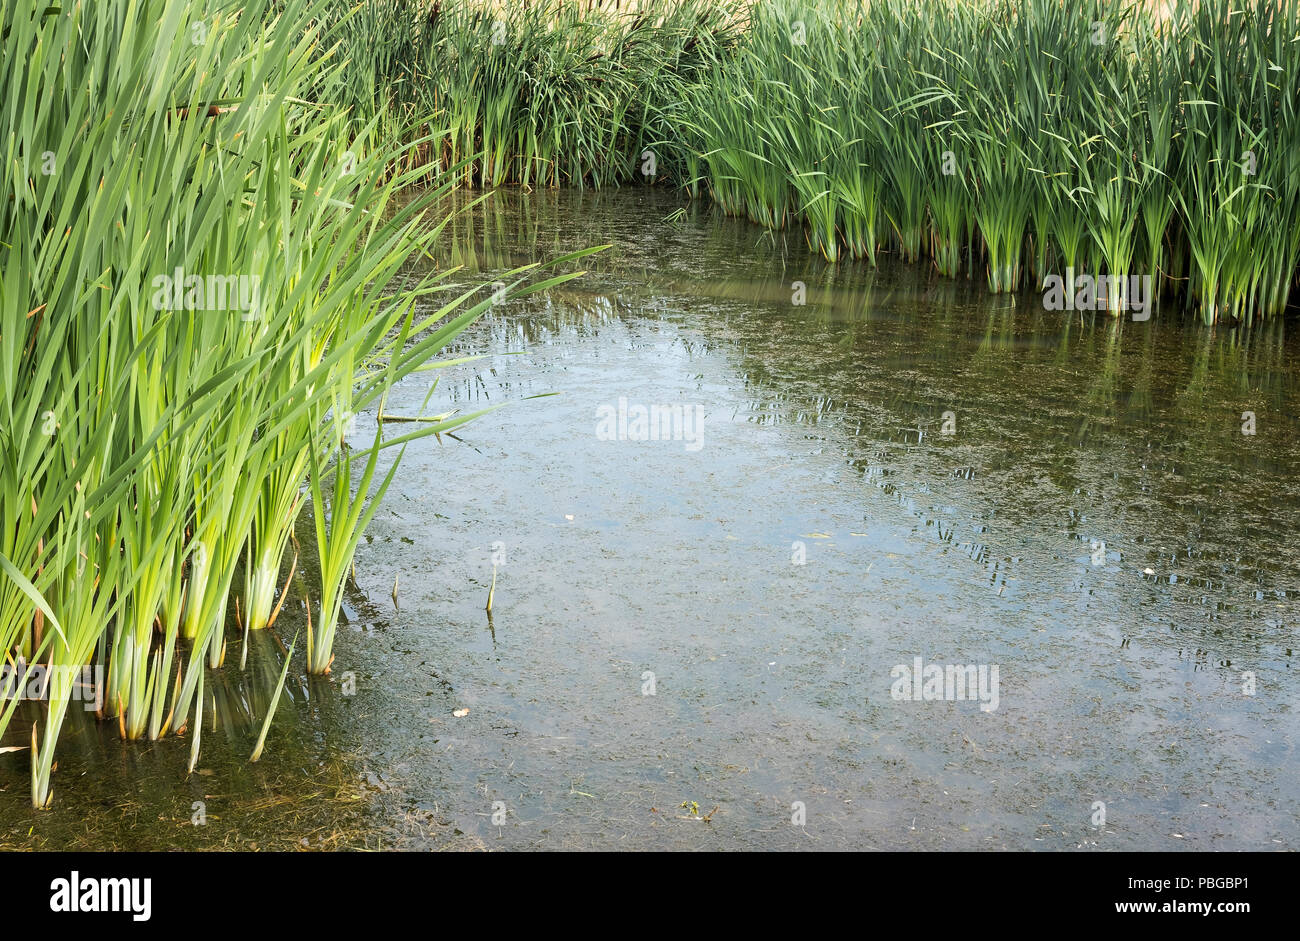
{"x": 151, "y": 448}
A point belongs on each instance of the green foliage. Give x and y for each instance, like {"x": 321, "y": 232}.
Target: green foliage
{"x": 534, "y": 94}
{"x": 153, "y": 434}
{"x": 1022, "y": 137}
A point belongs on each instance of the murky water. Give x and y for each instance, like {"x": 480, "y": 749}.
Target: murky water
{"x": 899, "y": 467}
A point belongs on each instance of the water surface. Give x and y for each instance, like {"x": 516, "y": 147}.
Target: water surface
{"x": 901, "y": 466}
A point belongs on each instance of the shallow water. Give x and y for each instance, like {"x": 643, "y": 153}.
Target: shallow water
{"x": 770, "y": 571}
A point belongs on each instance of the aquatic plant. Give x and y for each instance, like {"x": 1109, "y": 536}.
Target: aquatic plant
{"x": 1025, "y": 138}
{"x": 547, "y": 93}
{"x": 199, "y": 280}
{"x": 1020, "y": 139}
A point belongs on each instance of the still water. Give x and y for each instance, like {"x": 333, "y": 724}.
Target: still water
{"x": 868, "y": 467}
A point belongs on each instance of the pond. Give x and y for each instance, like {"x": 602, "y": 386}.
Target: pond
{"x": 758, "y": 492}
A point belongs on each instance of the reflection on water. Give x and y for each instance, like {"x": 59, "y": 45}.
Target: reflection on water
{"x": 893, "y": 466}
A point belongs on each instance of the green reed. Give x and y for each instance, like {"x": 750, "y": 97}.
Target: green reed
{"x": 199, "y": 263}
{"x": 1026, "y": 138}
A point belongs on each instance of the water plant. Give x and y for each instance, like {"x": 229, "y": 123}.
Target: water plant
{"x": 536, "y": 94}
{"x": 1019, "y": 139}
{"x": 1025, "y": 138}
{"x": 200, "y": 278}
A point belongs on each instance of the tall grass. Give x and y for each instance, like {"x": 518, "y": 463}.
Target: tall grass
{"x": 159, "y": 416}
{"x": 1005, "y": 139}
{"x": 1023, "y": 138}
{"x": 1009, "y": 139}
{"x": 534, "y": 94}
